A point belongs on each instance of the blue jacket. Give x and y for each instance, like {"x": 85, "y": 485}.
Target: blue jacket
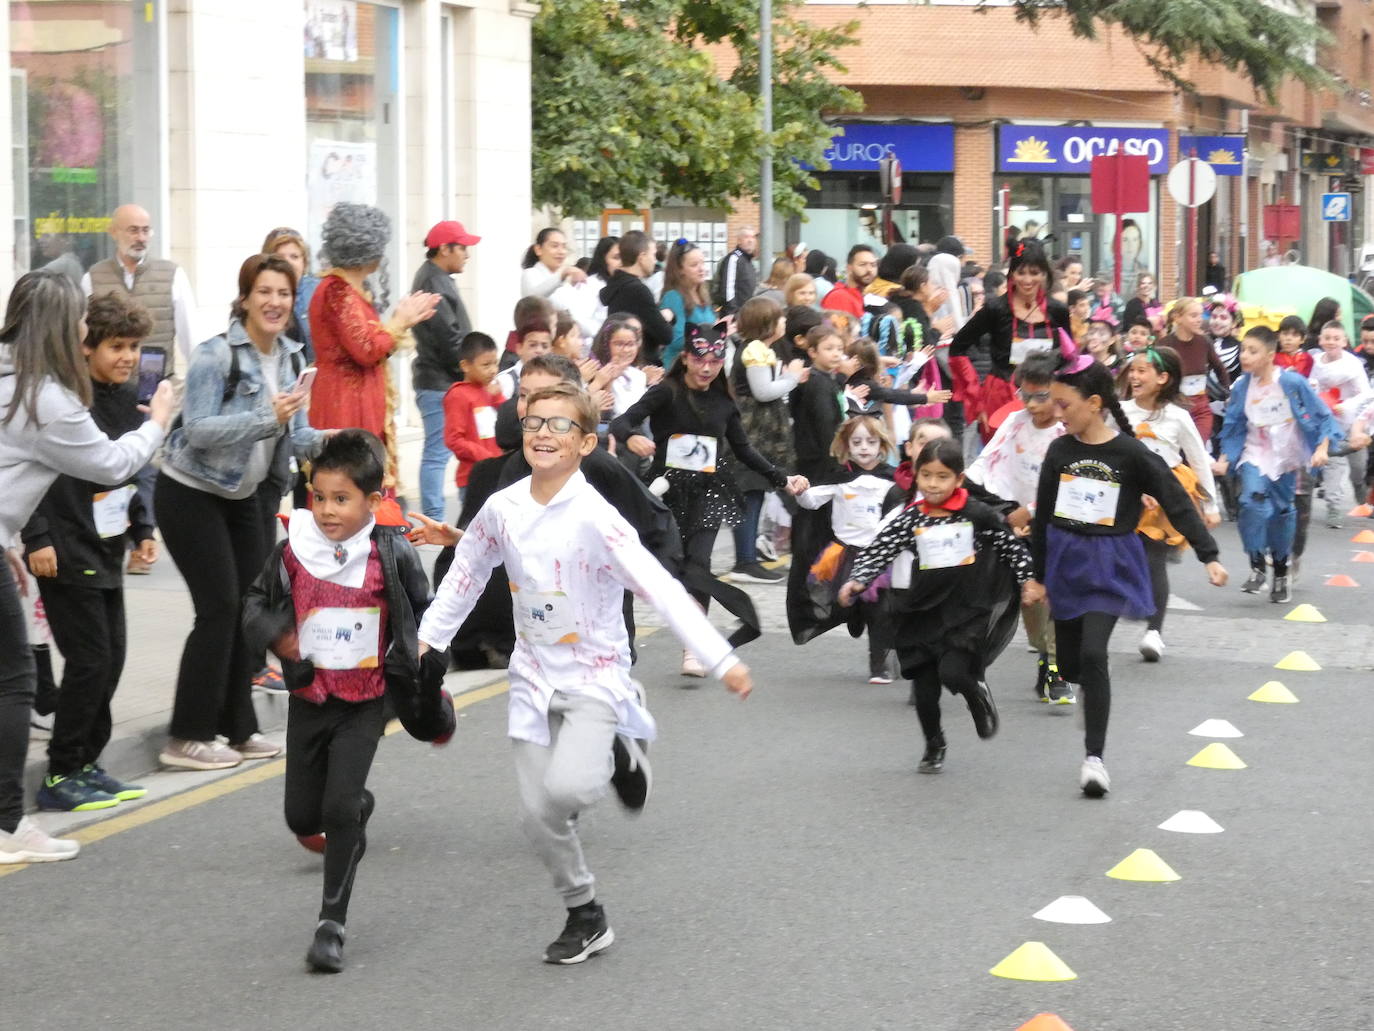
{"x": 215, "y": 438}
{"x": 1314, "y": 418}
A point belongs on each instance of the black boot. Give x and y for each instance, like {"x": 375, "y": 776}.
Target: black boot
{"x": 933, "y": 761}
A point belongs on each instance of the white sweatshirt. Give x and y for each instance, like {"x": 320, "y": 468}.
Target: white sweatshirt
{"x": 569, "y": 564}
{"x": 856, "y": 507}
{"x": 1171, "y": 434}
{"x": 1010, "y": 464}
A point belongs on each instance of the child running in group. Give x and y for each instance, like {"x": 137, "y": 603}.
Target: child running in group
{"x": 1338, "y": 375}
{"x": 819, "y": 405}
{"x": 954, "y": 603}
{"x": 1275, "y": 426}
{"x": 339, "y": 603}
{"x": 1087, "y": 552}
{"x": 1009, "y": 467}
{"x": 75, "y": 543}
{"x": 861, "y": 492}
{"x": 1166, "y": 428}
{"x": 574, "y": 711}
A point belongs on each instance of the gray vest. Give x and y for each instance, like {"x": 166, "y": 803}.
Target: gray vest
{"x": 152, "y": 289}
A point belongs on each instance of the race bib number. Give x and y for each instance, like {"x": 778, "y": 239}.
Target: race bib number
{"x": 691, "y": 451}
{"x": 485, "y": 418}
{"x": 110, "y": 509}
{"x": 544, "y": 617}
{"x": 1087, "y": 501}
{"x": 1023, "y": 349}
{"x": 1192, "y": 386}
{"x": 341, "y": 638}
{"x": 945, "y": 546}
{"x": 1269, "y": 410}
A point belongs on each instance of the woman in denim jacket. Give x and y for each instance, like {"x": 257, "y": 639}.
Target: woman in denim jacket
{"x": 225, "y": 468}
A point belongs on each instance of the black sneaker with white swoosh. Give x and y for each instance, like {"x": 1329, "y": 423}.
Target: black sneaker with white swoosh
{"x": 584, "y": 935}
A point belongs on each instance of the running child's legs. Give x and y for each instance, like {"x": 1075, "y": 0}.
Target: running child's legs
{"x": 559, "y": 780}
{"x": 1040, "y": 628}
{"x": 696, "y": 550}
{"x": 957, "y": 670}
{"x": 878, "y": 622}
{"x": 1268, "y": 516}
{"x": 329, "y": 751}
{"x": 1083, "y": 661}
{"x": 1157, "y": 557}
{"x": 746, "y": 531}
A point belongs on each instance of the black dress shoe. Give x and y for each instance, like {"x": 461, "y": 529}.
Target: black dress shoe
{"x": 934, "y": 759}
{"x": 326, "y": 951}
{"x": 983, "y": 709}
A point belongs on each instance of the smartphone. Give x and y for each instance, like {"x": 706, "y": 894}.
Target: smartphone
{"x": 304, "y": 381}
{"x": 152, "y": 370}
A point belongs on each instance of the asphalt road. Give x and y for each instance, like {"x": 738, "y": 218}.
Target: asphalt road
{"x": 792, "y": 870}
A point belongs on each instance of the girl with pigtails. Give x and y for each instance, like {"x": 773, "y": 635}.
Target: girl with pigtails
{"x": 1084, "y": 542}
{"x": 1019, "y": 323}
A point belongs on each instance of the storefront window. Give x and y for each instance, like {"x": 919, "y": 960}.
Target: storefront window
{"x": 86, "y": 127}
{"x": 351, "y": 97}
{"x": 846, "y": 211}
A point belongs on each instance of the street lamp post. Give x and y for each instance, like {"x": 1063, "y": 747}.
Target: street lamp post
{"x": 766, "y": 163}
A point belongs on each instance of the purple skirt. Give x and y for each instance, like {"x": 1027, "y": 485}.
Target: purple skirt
{"x": 1097, "y": 574}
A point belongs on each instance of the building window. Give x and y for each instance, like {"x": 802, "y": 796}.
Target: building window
{"x": 846, "y": 210}
{"x": 86, "y": 134}
{"x": 352, "y": 97}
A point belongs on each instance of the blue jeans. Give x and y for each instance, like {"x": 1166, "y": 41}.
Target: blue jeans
{"x": 746, "y": 531}
{"x": 1268, "y": 517}
{"x": 434, "y": 458}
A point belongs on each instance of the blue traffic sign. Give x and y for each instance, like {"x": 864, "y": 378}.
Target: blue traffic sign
{"x": 1335, "y": 207}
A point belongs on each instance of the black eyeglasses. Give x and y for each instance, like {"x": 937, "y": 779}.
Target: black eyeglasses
{"x": 557, "y": 424}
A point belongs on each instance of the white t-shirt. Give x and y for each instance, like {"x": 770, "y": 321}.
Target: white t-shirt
{"x": 1346, "y": 374}
{"x": 1010, "y": 464}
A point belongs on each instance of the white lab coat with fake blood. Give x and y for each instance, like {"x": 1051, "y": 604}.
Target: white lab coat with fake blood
{"x": 569, "y": 563}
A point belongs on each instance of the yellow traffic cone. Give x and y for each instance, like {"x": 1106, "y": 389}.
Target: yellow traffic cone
{"x": 1143, "y": 865}
{"x": 1273, "y": 691}
{"x": 1033, "y": 961}
{"x": 1217, "y": 756}
{"x": 1298, "y": 661}
{"x": 1305, "y": 614}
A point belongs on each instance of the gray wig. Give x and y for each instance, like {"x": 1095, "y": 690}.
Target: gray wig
{"x": 356, "y": 235}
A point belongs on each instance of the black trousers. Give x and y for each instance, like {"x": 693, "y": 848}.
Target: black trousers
{"x": 88, "y": 627}
{"x": 697, "y": 550}
{"x": 16, "y": 696}
{"x": 1082, "y": 645}
{"x": 329, "y": 750}
{"x": 219, "y": 549}
{"x": 1157, "y": 558}
{"x": 957, "y": 670}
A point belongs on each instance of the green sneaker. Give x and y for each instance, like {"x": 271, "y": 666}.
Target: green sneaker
{"x": 72, "y": 795}
{"x": 94, "y": 775}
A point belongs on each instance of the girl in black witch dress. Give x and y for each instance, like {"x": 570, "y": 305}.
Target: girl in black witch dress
{"x": 692, "y": 415}
{"x": 955, "y": 567}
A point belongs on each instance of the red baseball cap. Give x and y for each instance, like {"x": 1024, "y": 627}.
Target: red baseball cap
{"x": 445, "y": 233}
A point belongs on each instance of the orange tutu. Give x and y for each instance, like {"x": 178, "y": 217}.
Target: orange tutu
{"x": 1154, "y": 523}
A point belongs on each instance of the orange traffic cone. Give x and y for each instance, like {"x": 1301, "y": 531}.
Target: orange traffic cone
{"x": 1044, "y": 1022}
{"x": 1363, "y": 537}
{"x": 1363, "y": 556}
{"x": 1340, "y": 580}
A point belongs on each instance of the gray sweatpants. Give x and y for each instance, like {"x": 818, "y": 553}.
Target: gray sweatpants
{"x": 560, "y": 780}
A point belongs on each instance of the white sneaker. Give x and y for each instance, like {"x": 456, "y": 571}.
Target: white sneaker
{"x": 1152, "y": 646}
{"x": 691, "y": 666}
{"x": 198, "y": 755}
{"x": 764, "y": 546}
{"x": 28, "y": 844}
{"x": 257, "y": 747}
{"x": 1092, "y": 777}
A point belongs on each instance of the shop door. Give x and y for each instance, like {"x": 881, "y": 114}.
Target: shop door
{"x": 1074, "y": 229}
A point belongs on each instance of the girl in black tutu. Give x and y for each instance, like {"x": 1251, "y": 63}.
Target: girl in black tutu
{"x": 955, "y": 567}
{"x": 1087, "y": 553}
{"x": 692, "y": 415}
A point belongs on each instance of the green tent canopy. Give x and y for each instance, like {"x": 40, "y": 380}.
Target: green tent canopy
{"x": 1299, "y": 288}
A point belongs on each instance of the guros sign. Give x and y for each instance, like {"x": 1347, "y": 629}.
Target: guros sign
{"x": 1060, "y": 149}
{"x": 919, "y": 146}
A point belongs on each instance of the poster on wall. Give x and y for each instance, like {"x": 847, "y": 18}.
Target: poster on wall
{"x": 1137, "y": 250}
{"x": 331, "y": 30}
{"x": 338, "y": 171}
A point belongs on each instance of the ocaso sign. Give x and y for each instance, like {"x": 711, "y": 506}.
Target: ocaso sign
{"x": 1058, "y": 149}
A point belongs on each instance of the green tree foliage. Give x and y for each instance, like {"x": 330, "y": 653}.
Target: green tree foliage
{"x": 629, "y": 109}
{"x": 1267, "y": 41}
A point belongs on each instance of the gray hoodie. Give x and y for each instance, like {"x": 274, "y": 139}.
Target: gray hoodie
{"x": 65, "y": 439}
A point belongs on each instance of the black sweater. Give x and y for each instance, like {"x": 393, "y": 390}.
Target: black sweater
{"x": 673, "y": 408}
{"x": 817, "y": 411}
{"x": 65, "y": 518}
{"x": 1122, "y": 460}
{"x": 628, "y": 294}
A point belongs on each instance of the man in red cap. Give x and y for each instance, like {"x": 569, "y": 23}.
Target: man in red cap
{"x": 436, "y": 352}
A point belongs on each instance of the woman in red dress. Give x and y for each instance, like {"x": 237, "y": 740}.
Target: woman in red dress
{"x": 351, "y": 343}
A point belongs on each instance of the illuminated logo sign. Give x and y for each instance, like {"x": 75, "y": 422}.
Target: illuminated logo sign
{"x": 1223, "y": 153}
{"x": 920, "y": 147}
{"x": 1071, "y": 149}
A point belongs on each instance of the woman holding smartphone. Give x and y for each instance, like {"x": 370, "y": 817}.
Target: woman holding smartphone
{"x": 223, "y": 475}
{"x": 45, "y": 429}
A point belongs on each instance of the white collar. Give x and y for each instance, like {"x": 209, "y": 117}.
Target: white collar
{"x": 577, "y": 482}
{"x": 338, "y": 562}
